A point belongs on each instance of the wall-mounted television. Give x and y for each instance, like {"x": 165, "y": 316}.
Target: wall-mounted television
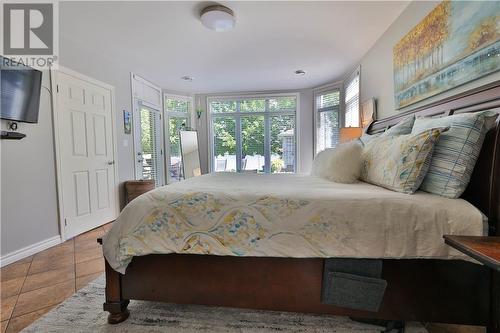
{"x": 20, "y": 91}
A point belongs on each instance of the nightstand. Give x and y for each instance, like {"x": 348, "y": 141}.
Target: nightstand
{"x": 134, "y": 188}
{"x": 486, "y": 250}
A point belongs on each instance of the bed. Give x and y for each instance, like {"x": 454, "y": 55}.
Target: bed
{"x": 265, "y": 244}
{"x": 290, "y": 216}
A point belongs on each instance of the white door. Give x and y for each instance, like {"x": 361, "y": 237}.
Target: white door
{"x": 84, "y": 127}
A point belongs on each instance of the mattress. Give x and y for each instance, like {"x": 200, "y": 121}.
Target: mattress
{"x": 287, "y": 215}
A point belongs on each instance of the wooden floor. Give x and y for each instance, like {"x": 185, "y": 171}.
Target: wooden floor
{"x": 33, "y": 286}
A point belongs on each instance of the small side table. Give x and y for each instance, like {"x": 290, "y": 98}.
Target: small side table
{"x": 486, "y": 250}
{"x": 134, "y": 188}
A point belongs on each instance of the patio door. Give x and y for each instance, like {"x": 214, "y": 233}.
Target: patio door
{"x": 148, "y": 130}
{"x": 150, "y": 153}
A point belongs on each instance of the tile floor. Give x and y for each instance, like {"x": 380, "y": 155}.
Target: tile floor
{"x": 33, "y": 286}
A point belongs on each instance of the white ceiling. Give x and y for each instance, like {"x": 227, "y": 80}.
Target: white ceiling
{"x": 164, "y": 41}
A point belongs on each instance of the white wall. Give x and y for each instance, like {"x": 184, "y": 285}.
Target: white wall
{"x": 29, "y": 199}
{"x": 376, "y": 65}
{"x": 305, "y": 143}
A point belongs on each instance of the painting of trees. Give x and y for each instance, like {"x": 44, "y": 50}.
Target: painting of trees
{"x": 457, "y": 42}
{"x": 421, "y": 50}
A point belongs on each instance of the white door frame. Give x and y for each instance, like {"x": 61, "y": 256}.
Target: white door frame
{"x": 57, "y": 138}
{"x": 137, "y": 101}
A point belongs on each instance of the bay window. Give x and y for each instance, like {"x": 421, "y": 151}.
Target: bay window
{"x": 253, "y": 134}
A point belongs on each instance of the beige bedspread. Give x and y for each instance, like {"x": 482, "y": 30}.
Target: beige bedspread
{"x": 287, "y": 215}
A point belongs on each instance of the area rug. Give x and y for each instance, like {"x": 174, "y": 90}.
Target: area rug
{"x": 83, "y": 313}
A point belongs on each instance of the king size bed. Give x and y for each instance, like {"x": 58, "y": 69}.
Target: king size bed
{"x": 266, "y": 241}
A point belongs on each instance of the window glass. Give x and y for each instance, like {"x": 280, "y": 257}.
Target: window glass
{"x": 352, "y": 101}
{"x": 150, "y": 144}
{"x": 252, "y": 105}
{"x": 327, "y": 120}
{"x": 252, "y": 144}
{"x": 178, "y": 115}
{"x": 224, "y": 131}
{"x": 282, "y": 144}
{"x": 282, "y": 104}
{"x": 223, "y": 106}
{"x": 177, "y": 105}
{"x": 175, "y": 124}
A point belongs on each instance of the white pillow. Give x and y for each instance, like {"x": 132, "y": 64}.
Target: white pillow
{"x": 341, "y": 164}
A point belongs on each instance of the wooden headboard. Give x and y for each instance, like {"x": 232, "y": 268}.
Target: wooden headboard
{"x": 484, "y": 188}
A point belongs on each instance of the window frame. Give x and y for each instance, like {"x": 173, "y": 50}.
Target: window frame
{"x": 166, "y": 125}
{"x": 348, "y": 79}
{"x": 267, "y": 122}
{"x": 337, "y": 86}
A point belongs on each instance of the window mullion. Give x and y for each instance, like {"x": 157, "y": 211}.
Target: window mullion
{"x": 239, "y": 147}
{"x": 159, "y": 149}
{"x": 267, "y": 139}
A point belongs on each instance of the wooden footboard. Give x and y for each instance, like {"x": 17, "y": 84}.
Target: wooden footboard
{"x": 419, "y": 290}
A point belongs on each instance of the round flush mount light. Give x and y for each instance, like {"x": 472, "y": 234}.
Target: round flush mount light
{"x": 187, "y": 78}
{"x": 300, "y": 72}
{"x": 218, "y": 18}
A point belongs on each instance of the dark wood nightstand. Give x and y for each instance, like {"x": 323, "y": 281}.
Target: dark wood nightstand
{"x": 134, "y": 188}
{"x": 486, "y": 250}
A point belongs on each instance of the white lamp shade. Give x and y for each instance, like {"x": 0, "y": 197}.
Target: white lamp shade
{"x": 218, "y": 20}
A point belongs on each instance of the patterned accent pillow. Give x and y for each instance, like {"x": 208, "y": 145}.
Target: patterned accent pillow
{"x": 400, "y": 162}
{"x": 405, "y": 126}
{"x": 456, "y": 152}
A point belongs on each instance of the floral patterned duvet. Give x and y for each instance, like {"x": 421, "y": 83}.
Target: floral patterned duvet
{"x": 287, "y": 215}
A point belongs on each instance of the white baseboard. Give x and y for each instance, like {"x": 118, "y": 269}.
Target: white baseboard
{"x": 29, "y": 250}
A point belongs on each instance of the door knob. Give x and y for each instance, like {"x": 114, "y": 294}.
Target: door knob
{"x": 111, "y": 162}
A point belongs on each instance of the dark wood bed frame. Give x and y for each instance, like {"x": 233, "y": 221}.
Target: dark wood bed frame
{"x": 428, "y": 290}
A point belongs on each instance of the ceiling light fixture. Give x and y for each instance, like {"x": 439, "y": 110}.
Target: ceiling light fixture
{"x": 300, "y": 72}
{"x": 218, "y": 18}
{"x": 187, "y": 78}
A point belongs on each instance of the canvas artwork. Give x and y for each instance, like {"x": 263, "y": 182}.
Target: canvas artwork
{"x": 459, "y": 41}
{"x": 127, "y": 122}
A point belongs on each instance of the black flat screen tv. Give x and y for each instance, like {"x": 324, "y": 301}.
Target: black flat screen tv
{"x": 20, "y": 92}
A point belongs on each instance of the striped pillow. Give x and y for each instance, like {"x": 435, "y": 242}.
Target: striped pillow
{"x": 405, "y": 126}
{"x": 456, "y": 151}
